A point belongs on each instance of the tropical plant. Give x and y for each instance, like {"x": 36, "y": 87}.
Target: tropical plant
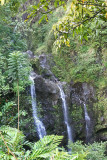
{"x": 10, "y": 40}
{"x": 5, "y": 109}
{"x": 87, "y": 68}
{"x": 12, "y": 142}
{"x": 18, "y": 72}
{"x": 77, "y": 20}
{"x": 78, "y": 13}
{"x": 95, "y": 151}
{"x": 3, "y": 85}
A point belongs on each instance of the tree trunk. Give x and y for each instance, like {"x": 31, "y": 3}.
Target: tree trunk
{"x": 18, "y": 101}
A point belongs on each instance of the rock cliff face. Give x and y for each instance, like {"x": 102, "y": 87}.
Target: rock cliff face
{"x": 78, "y": 96}
{"x": 49, "y": 99}
{"x": 82, "y": 94}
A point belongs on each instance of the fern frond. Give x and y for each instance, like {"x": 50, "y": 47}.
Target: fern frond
{"x": 13, "y": 137}
{"x": 44, "y": 147}
{"x": 6, "y": 107}
{"x": 61, "y": 155}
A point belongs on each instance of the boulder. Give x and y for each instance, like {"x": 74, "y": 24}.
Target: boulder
{"x": 30, "y": 54}
{"x": 45, "y": 85}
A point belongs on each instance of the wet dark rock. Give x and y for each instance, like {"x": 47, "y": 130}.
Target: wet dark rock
{"x": 50, "y": 104}
{"x": 30, "y": 54}
{"x": 44, "y": 68}
{"x": 85, "y": 93}
{"x": 101, "y": 135}
{"x": 48, "y": 97}
{"x": 82, "y": 93}
{"x": 45, "y": 85}
{"x": 43, "y": 61}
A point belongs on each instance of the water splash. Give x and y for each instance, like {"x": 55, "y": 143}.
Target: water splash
{"x": 38, "y": 123}
{"x": 65, "y": 111}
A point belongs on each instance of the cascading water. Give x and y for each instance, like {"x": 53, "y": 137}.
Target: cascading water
{"x": 86, "y": 92}
{"x": 40, "y": 127}
{"x": 66, "y": 118}
{"x": 87, "y": 120}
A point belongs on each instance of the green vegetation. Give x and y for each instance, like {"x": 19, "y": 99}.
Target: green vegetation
{"x": 75, "y": 34}
{"x": 18, "y": 72}
{"x": 12, "y": 142}
{"x": 95, "y": 151}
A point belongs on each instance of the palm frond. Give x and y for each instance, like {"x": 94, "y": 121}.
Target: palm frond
{"x": 44, "y": 147}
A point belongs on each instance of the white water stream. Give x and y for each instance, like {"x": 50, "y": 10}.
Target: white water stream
{"x": 87, "y": 120}
{"x": 38, "y": 123}
{"x": 65, "y": 111}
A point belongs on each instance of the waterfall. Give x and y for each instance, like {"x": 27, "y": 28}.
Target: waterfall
{"x": 38, "y": 123}
{"x": 87, "y": 120}
{"x": 65, "y": 112}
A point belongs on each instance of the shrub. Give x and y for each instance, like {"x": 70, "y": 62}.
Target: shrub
{"x": 95, "y": 151}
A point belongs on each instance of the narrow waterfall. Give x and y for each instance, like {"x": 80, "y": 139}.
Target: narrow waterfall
{"x": 65, "y": 112}
{"x": 38, "y": 123}
{"x": 87, "y": 120}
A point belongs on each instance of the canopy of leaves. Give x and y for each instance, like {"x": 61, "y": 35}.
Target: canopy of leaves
{"x": 78, "y": 19}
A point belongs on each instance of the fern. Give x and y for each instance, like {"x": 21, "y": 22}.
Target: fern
{"x": 5, "y": 113}
{"x": 18, "y": 72}
{"x": 62, "y": 155}
{"x": 12, "y": 142}
{"x": 44, "y": 147}
{"x": 6, "y": 107}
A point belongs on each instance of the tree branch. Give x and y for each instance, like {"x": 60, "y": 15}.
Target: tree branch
{"x": 81, "y": 22}
{"x": 94, "y": 4}
{"x": 88, "y": 19}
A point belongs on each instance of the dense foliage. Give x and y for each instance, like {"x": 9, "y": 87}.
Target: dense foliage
{"x": 12, "y": 142}
{"x": 95, "y": 151}
{"x": 75, "y": 33}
